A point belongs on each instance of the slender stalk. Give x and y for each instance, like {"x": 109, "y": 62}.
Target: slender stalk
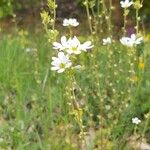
{"x": 125, "y": 21}
{"x": 88, "y": 16}
{"x": 137, "y": 21}
{"x": 107, "y": 16}
{"x": 110, "y": 16}
{"x": 46, "y": 29}
{"x": 54, "y": 16}
{"x": 146, "y": 125}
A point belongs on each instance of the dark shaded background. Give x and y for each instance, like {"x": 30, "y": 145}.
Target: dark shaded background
{"x": 27, "y": 10}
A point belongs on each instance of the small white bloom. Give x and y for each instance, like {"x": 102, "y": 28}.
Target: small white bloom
{"x": 136, "y": 40}
{"x": 126, "y": 41}
{"x": 86, "y": 45}
{"x": 70, "y": 22}
{"x": 131, "y": 41}
{"x": 61, "y": 46}
{"x": 136, "y": 120}
{"x": 126, "y": 3}
{"x": 61, "y": 63}
{"x": 28, "y": 50}
{"x": 107, "y": 41}
{"x": 73, "y": 46}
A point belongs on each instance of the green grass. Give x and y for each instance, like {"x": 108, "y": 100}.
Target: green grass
{"x": 35, "y": 118}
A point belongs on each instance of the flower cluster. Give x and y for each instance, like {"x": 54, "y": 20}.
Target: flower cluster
{"x": 61, "y": 62}
{"x": 131, "y": 41}
{"x": 72, "y": 45}
{"x": 126, "y": 3}
{"x": 70, "y": 22}
{"x": 136, "y": 120}
{"x": 68, "y": 47}
{"x": 107, "y": 41}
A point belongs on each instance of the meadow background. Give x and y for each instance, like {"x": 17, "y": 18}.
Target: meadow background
{"x": 35, "y": 112}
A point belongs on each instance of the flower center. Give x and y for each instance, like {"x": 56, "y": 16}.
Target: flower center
{"x": 74, "y": 48}
{"x": 62, "y": 65}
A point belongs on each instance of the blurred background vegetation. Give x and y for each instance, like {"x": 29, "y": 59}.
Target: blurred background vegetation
{"x": 21, "y": 81}
{"x": 32, "y": 8}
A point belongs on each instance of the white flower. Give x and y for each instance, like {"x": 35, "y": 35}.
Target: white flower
{"x": 136, "y": 40}
{"x": 126, "y": 41}
{"x": 126, "y": 4}
{"x": 70, "y": 22}
{"x": 28, "y": 49}
{"x": 61, "y": 63}
{"x": 136, "y": 120}
{"x": 107, "y": 41}
{"x": 61, "y": 46}
{"x": 86, "y": 45}
{"x": 73, "y": 46}
{"x": 131, "y": 41}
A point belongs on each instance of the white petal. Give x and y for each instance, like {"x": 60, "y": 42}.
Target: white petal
{"x": 61, "y": 70}
{"x": 57, "y": 45}
{"x": 133, "y": 37}
{"x": 139, "y": 40}
{"x": 77, "y": 52}
{"x": 68, "y": 65}
{"x": 54, "y": 68}
{"x": 69, "y": 51}
{"x": 63, "y": 39}
{"x": 55, "y": 63}
{"x": 75, "y": 41}
{"x": 61, "y": 55}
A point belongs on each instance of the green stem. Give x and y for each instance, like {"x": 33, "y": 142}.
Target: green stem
{"x": 146, "y": 125}
{"x": 137, "y": 21}
{"x": 88, "y": 16}
{"x": 125, "y": 21}
{"x": 107, "y": 16}
{"x": 110, "y": 15}
{"x": 54, "y": 16}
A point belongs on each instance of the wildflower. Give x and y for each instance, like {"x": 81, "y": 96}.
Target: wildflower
{"x": 61, "y": 62}
{"x": 136, "y": 40}
{"x": 126, "y": 4}
{"x": 141, "y": 64}
{"x": 74, "y": 46}
{"x": 131, "y": 41}
{"x": 28, "y": 49}
{"x": 70, "y": 22}
{"x": 61, "y": 46}
{"x": 86, "y": 45}
{"x": 107, "y": 41}
{"x": 126, "y": 41}
{"x": 136, "y": 120}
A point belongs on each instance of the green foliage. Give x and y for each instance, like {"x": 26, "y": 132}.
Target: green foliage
{"x": 92, "y": 106}
{"x": 6, "y": 7}
{"x": 39, "y": 119}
